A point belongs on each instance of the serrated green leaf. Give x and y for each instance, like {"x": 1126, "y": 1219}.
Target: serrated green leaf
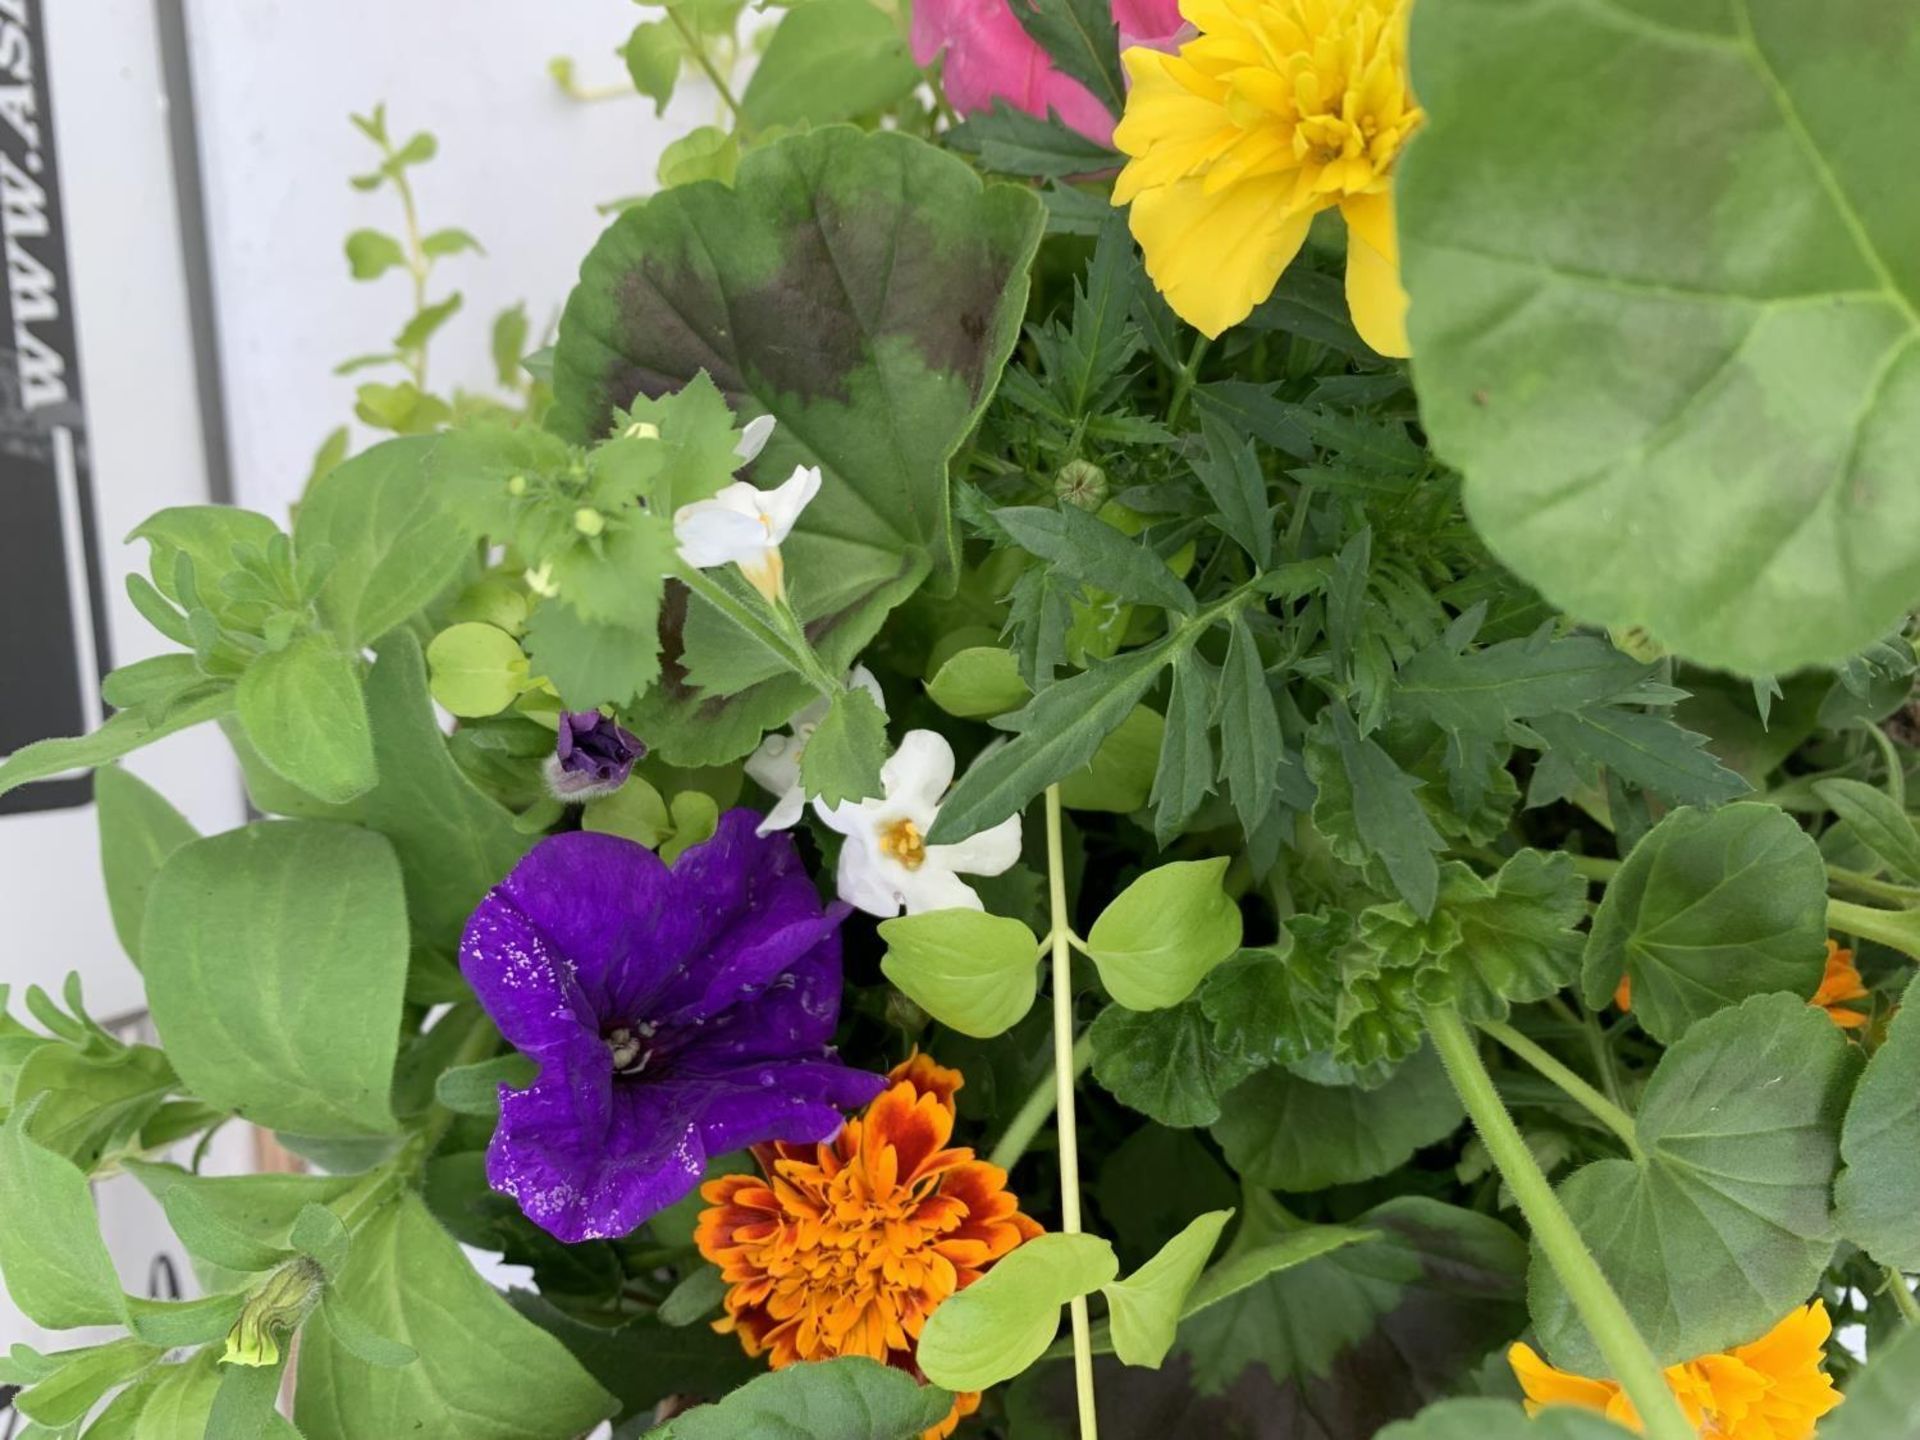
{"x": 1728, "y": 1221}
{"x": 1276, "y": 1006}
{"x": 842, "y": 760}
{"x": 1368, "y": 808}
{"x": 1712, "y": 906}
{"x": 1012, "y": 142}
{"x": 1004, "y": 1321}
{"x": 1251, "y": 750}
{"x": 1083, "y": 41}
{"x": 1231, "y": 474}
{"x": 973, "y": 972}
{"x": 1093, "y": 552}
{"x": 591, "y": 662}
{"x": 1185, "y": 773}
{"x": 1164, "y": 1063}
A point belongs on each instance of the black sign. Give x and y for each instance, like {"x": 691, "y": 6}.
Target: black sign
{"x": 53, "y": 641}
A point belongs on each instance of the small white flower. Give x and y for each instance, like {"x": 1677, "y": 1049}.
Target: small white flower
{"x": 887, "y": 865}
{"x": 753, "y": 438}
{"x": 744, "y": 525}
{"x": 775, "y": 766}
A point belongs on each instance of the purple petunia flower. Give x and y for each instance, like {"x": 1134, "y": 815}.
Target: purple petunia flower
{"x": 676, "y": 1014}
{"x": 592, "y": 755}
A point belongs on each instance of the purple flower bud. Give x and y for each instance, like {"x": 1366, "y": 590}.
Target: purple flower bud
{"x": 592, "y": 755}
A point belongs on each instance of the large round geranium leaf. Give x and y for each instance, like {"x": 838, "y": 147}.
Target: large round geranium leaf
{"x": 1727, "y": 1220}
{"x": 1666, "y": 309}
{"x": 864, "y": 290}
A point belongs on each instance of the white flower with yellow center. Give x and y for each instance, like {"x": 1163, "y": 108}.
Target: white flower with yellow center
{"x": 744, "y": 525}
{"x": 775, "y": 766}
{"x": 886, "y": 864}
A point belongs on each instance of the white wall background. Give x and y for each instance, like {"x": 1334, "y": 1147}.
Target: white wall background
{"x": 520, "y": 165}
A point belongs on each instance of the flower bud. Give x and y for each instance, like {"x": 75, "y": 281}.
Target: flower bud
{"x": 274, "y": 1310}
{"x": 1081, "y": 483}
{"x": 592, "y": 755}
{"x": 517, "y": 485}
{"x": 589, "y": 521}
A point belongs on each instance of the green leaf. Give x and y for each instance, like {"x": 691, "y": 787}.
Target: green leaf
{"x": 249, "y": 1217}
{"x": 508, "y": 346}
{"x": 451, "y": 241}
{"x": 1011, "y": 142}
{"x": 973, "y": 972}
{"x": 89, "y": 1100}
{"x": 1879, "y": 823}
{"x": 83, "y": 1377}
{"x": 1287, "y": 1133}
{"x": 454, "y": 843}
{"x": 475, "y": 1089}
{"x": 1164, "y": 1063}
{"x": 907, "y": 279}
{"x": 1503, "y": 1420}
{"x": 1368, "y": 807}
{"x": 978, "y": 683}
{"x": 1251, "y": 751}
{"x": 394, "y": 545}
{"x": 591, "y": 662}
{"x": 426, "y": 323}
{"x": 1711, "y": 907}
{"x": 303, "y": 710}
{"x": 1881, "y": 1147}
{"x": 360, "y": 1340}
{"x": 1161, "y": 935}
{"x": 206, "y": 535}
{"x": 828, "y": 60}
{"x": 483, "y": 1371}
{"x": 1760, "y": 376}
{"x": 1004, "y": 1321}
{"x": 852, "y": 1398}
{"x": 695, "y": 1298}
{"x": 1185, "y": 773}
{"x": 1058, "y": 731}
{"x": 1081, "y": 38}
{"x": 1275, "y": 1006}
{"x": 404, "y": 409}
{"x": 125, "y": 732}
{"x": 476, "y": 669}
{"x": 138, "y": 830}
{"x": 1094, "y": 553}
{"x": 1146, "y": 1307}
{"x": 1646, "y": 750}
{"x": 636, "y": 810}
{"x": 1231, "y": 474}
{"x": 371, "y": 253}
{"x": 707, "y": 153}
{"x": 1727, "y": 1221}
{"x": 1119, "y": 778}
{"x": 276, "y": 956}
{"x": 1883, "y": 1402}
{"x": 653, "y": 53}
{"x": 208, "y": 1233}
{"x": 842, "y": 761}
{"x": 55, "y": 1264}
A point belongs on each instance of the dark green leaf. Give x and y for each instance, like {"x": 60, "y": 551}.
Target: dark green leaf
{"x": 1012, "y": 142}
{"x": 1231, "y": 474}
{"x": 1251, "y": 751}
{"x": 1164, "y": 1063}
{"x": 1645, "y": 750}
{"x": 847, "y": 1399}
{"x": 1094, "y": 553}
{"x": 1185, "y": 774}
{"x": 1503, "y": 1420}
{"x": 1880, "y": 824}
{"x": 842, "y": 761}
{"x": 1368, "y": 807}
{"x": 1881, "y": 1146}
{"x": 1081, "y": 38}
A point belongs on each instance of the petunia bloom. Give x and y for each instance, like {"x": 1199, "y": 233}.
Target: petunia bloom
{"x": 847, "y": 1247}
{"x": 990, "y": 56}
{"x": 592, "y": 755}
{"x": 1772, "y": 1389}
{"x": 744, "y": 525}
{"x": 1278, "y": 110}
{"x": 676, "y": 1013}
{"x": 886, "y": 864}
{"x": 1839, "y": 987}
{"x": 775, "y": 765}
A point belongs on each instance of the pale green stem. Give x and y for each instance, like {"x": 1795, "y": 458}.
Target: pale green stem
{"x": 1064, "y": 1072}
{"x": 1626, "y": 1353}
{"x": 1039, "y": 1104}
{"x": 698, "y": 50}
{"x": 1899, "y": 930}
{"x": 1183, "y": 382}
{"x": 1902, "y": 1294}
{"x": 1577, "y": 1090}
{"x": 1878, "y": 889}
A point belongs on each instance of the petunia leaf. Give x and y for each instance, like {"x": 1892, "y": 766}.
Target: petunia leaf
{"x": 1727, "y": 1219}
{"x": 304, "y": 711}
{"x": 1693, "y": 330}
{"x": 1881, "y": 1146}
{"x": 1004, "y": 1321}
{"x": 865, "y": 290}
{"x": 852, "y": 1398}
{"x": 973, "y": 972}
{"x": 139, "y": 829}
{"x": 1712, "y": 906}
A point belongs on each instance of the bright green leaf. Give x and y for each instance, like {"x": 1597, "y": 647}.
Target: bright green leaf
{"x": 1503, "y": 1420}
{"x": 475, "y": 670}
{"x": 828, "y": 60}
{"x": 55, "y": 1264}
{"x": 1164, "y": 932}
{"x": 1004, "y": 1321}
{"x": 978, "y": 683}
{"x": 303, "y": 710}
{"x": 1146, "y": 1307}
{"x": 124, "y": 732}
{"x": 1119, "y": 778}
{"x": 371, "y": 253}
{"x": 138, "y": 830}
{"x": 973, "y": 972}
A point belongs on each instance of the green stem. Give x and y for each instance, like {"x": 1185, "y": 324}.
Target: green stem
{"x": 1577, "y": 1090}
{"x": 1903, "y": 1300}
{"x": 1039, "y": 1104}
{"x": 1183, "y": 383}
{"x": 1872, "y": 886}
{"x": 798, "y": 657}
{"x": 1064, "y": 1072}
{"x": 700, "y": 57}
{"x": 1595, "y": 867}
{"x": 1896, "y": 771}
{"x": 419, "y": 266}
{"x": 1899, "y": 930}
{"x": 1593, "y": 1298}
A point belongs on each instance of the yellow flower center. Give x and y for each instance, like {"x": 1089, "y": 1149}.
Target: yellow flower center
{"x": 903, "y": 842}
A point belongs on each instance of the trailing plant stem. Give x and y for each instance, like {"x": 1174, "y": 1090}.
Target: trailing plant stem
{"x": 1903, "y": 1300}
{"x": 1064, "y": 1072}
{"x": 1627, "y": 1355}
{"x": 1579, "y": 1091}
{"x": 1033, "y": 1112}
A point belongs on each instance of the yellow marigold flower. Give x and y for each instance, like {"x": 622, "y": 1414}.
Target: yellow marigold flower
{"x": 1839, "y": 987}
{"x": 845, "y": 1248}
{"x": 1772, "y": 1389}
{"x": 1277, "y": 110}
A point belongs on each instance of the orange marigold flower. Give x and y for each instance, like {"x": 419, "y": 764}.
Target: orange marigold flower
{"x": 1772, "y": 1389}
{"x": 845, "y": 1248}
{"x": 1839, "y": 987}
